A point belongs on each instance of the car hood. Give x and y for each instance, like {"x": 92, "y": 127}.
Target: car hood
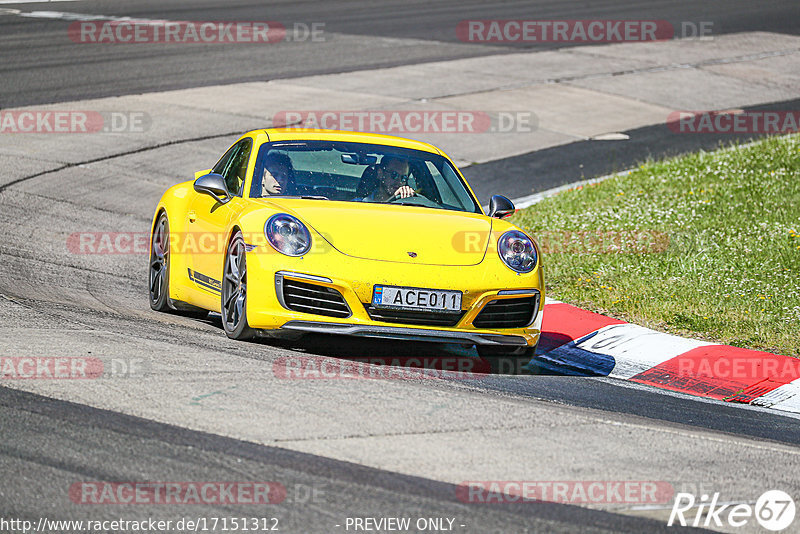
{"x": 406, "y": 234}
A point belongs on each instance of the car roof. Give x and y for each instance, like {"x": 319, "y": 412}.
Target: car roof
{"x": 306, "y": 134}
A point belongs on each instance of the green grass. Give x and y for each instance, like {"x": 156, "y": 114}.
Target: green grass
{"x": 721, "y": 238}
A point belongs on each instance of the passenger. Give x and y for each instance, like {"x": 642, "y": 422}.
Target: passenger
{"x": 278, "y": 177}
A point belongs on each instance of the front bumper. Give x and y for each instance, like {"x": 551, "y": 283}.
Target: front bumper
{"x": 407, "y": 333}
{"x": 354, "y": 279}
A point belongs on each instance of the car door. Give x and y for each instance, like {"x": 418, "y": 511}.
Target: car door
{"x": 209, "y": 219}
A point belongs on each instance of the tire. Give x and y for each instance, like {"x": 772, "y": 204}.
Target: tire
{"x": 159, "y": 274}
{"x": 159, "y": 266}
{"x": 504, "y": 360}
{"x": 233, "y": 304}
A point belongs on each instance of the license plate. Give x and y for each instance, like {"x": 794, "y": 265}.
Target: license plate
{"x": 415, "y": 298}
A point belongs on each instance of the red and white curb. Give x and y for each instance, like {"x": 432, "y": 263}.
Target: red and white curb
{"x": 579, "y": 342}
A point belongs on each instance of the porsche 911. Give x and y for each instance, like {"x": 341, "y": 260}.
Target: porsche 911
{"x": 315, "y": 231}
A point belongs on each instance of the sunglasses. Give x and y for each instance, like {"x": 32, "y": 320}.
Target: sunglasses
{"x": 394, "y": 175}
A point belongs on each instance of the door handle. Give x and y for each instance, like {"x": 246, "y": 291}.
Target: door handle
{"x": 192, "y": 216}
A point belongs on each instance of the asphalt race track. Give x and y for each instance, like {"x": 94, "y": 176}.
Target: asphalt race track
{"x": 200, "y": 407}
{"x": 40, "y": 67}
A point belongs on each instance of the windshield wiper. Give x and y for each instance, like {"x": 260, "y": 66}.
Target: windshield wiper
{"x": 314, "y": 197}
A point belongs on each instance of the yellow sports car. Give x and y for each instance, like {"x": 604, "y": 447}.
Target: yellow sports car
{"x": 297, "y": 231}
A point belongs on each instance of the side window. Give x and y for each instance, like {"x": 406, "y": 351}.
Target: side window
{"x": 233, "y": 165}
{"x": 447, "y": 193}
{"x": 222, "y": 164}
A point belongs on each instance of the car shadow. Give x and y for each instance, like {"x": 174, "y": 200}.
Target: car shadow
{"x": 448, "y": 360}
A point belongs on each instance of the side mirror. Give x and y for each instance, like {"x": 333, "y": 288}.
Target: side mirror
{"x": 501, "y": 207}
{"x": 213, "y": 185}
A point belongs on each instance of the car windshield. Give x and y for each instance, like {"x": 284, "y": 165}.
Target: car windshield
{"x": 359, "y": 172}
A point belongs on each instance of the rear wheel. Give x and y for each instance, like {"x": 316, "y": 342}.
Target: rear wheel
{"x": 159, "y": 274}
{"x": 505, "y": 360}
{"x": 159, "y": 265}
{"x": 234, "y": 291}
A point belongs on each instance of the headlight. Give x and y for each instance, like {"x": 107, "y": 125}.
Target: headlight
{"x": 287, "y": 234}
{"x": 517, "y": 251}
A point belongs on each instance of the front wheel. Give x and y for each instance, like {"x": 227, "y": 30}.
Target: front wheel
{"x": 234, "y": 291}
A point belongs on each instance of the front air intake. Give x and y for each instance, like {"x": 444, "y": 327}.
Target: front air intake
{"x": 312, "y": 298}
{"x": 508, "y": 313}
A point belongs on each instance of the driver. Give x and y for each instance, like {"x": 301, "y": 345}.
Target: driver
{"x": 392, "y": 174}
{"x": 278, "y": 177}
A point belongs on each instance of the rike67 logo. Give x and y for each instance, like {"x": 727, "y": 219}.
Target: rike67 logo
{"x": 774, "y": 510}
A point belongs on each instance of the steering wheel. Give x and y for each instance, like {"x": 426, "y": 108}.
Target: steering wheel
{"x": 397, "y": 196}
{"x": 416, "y": 200}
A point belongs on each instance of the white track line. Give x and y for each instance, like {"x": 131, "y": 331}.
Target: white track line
{"x": 530, "y": 200}
{"x": 2, "y": 2}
